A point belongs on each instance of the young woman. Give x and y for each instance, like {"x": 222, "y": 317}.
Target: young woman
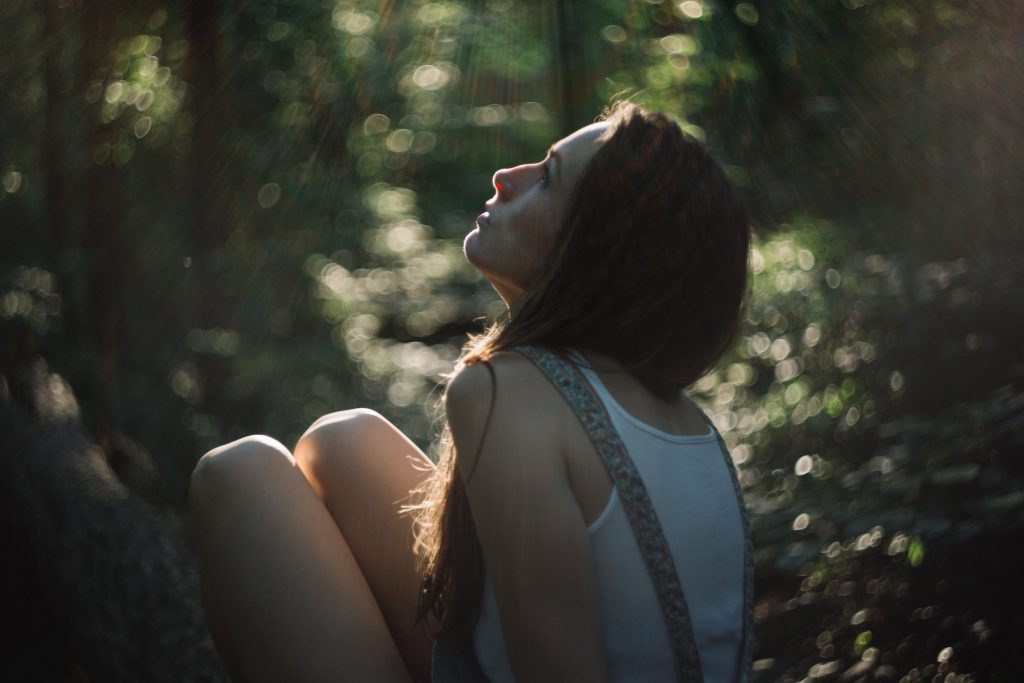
{"x": 622, "y": 255}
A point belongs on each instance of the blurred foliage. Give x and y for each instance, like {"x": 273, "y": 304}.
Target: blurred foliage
{"x": 265, "y": 202}
{"x": 877, "y": 478}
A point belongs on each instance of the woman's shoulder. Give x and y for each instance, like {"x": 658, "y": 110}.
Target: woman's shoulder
{"x": 512, "y": 398}
{"x": 511, "y": 375}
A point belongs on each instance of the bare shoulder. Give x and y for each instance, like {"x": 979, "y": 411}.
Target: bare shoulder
{"x": 512, "y": 460}
{"x": 516, "y": 377}
{"x": 526, "y": 407}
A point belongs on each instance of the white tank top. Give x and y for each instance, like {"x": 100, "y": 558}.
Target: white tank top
{"x": 692, "y": 492}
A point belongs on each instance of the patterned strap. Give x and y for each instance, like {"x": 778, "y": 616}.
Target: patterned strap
{"x": 636, "y": 502}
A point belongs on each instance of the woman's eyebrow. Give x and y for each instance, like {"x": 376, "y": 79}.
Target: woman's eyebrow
{"x": 553, "y": 153}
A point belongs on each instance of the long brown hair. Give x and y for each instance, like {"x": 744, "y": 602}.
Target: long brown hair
{"x": 650, "y": 268}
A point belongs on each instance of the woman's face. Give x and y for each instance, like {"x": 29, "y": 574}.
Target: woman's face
{"x": 522, "y": 220}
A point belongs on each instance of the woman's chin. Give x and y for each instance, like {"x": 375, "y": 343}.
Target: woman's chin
{"x": 471, "y": 246}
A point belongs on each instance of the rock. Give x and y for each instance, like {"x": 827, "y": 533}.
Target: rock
{"x": 99, "y": 577}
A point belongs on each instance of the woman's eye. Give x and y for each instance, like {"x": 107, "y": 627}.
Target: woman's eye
{"x": 545, "y": 178}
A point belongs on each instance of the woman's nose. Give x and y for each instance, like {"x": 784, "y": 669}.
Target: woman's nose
{"x": 501, "y": 183}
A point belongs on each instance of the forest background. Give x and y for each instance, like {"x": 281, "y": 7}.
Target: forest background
{"x": 232, "y": 217}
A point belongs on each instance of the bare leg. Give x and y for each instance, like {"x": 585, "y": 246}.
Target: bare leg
{"x": 363, "y": 468}
{"x": 219, "y": 630}
{"x": 286, "y": 593}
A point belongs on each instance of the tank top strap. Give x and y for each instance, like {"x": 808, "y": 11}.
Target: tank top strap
{"x": 636, "y": 502}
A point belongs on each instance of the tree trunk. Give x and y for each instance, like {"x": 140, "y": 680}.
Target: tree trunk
{"x": 105, "y": 242}
{"x": 54, "y": 162}
{"x": 212, "y": 191}
{"x": 569, "y": 96}
{"x": 213, "y": 214}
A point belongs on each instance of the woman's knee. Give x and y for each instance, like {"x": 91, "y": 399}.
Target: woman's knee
{"x": 228, "y": 467}
{"x": 345, "y": 438}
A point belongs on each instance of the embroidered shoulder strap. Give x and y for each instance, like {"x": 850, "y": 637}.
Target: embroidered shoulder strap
{"x": 636, "y": 502}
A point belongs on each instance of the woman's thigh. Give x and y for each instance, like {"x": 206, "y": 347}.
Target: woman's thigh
{"x": 290, "y": 593}
{"x": 365, "y": 470}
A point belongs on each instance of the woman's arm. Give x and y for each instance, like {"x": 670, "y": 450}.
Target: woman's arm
{"x": 533, "y": 535}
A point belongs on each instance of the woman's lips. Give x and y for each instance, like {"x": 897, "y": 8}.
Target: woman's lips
{"x": 483, "y": 219}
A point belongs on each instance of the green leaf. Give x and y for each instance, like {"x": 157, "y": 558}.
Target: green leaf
{"x": 861, "y": 642}
{"x": 915, "y": 552}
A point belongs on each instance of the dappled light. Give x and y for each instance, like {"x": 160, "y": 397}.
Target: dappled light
{"x": 220, "y": 219}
